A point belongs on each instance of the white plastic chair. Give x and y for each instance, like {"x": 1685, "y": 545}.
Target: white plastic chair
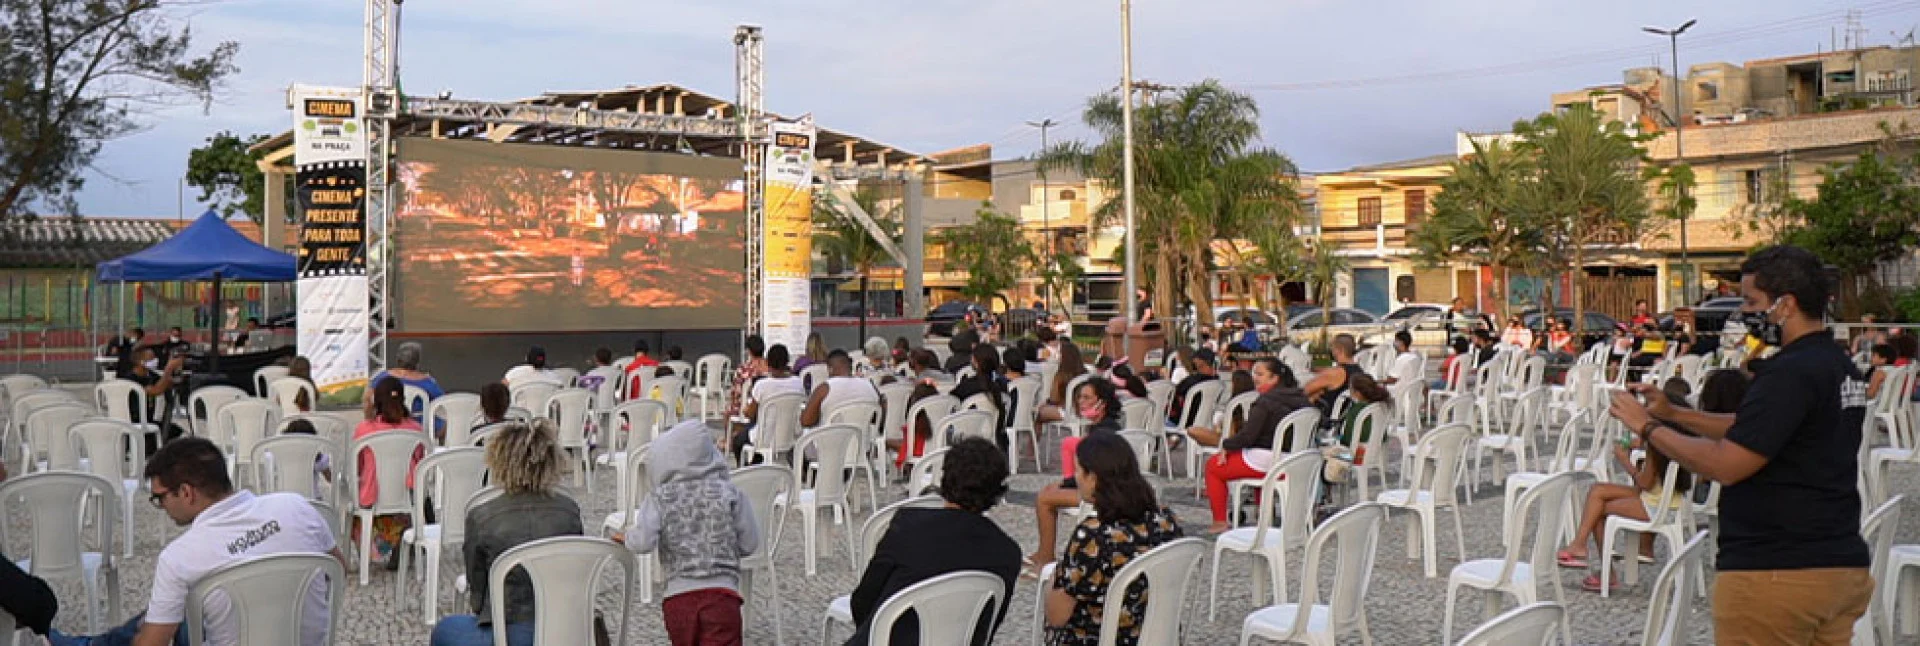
{"x": 777, "y": 426}
{"x": 926, "y": 473}
{"x": 631, "y": 425}
{"x": 286, "y": 391}
{"x": 1202, "y": 402}
{"x": 1026, "y": 400}
{"x": 392, "y": 460}
{"x": 563, "y": 571}
{"x": 1670, "y": 518}
{"x": 264, "y": 377}
{"x": 47, "y": 436}
{"x": 414, "y": 398}
{"x": 205, "y": 401}
{"x": 828, "y": 490}
{"x": 1563, "y": 460}
{"x": 933, "y": 409}
{"x": 568, "y": 408}
{"x": 54, "y": 504}
{"x": 1301, "y": 426}
{"x": 671, "y": 391}
{"x": 1431, "y": 487}
{"x": 125, "y": 400}
{"x": 286, "y": 465}
{"x": 22, "y": 408}
{"x": 1237, "y": 410}
{"x": 531, "y": 394}
{"x": 869, "y": 418}
{"x": 1518, "y": 574}
{"x": 453, "y": 415}
{"x": 681, "y": 369}
{"x": 105, "y": 443}
{"x": 566, "y": 377}
{"x": 948, "y": 608}
{"x": 1671, "y": 604}
{"x": 840, "y": 609}
{"x": 243, "y": 424}
{"x": 813, "y": 376}
{"x": 1168, "y": 572}
{"x": 1529, "y": 625}
{"x": 1516, "y": 438}
{"x": 962, "y": 425}
{"x": 267, "y": 596}
{"x": 453, "y": 474}
{"x": 711, "y": 375}
{"x": 1292, "y": 484}
{"x": 1355, "y": 535}
{"x": 1369, "y": 456}
{"x": 1878, "y": 529}
{"x": 764, "y": 487}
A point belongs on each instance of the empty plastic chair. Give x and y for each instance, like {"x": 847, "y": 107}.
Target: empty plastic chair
{"x": 763, "y": 485}
{"x": 1168, "y": 570}
{"x": 563, "y": 571}
{"x": 1355, "y": 535}
{"x": 451, "y": 475}
{"x": 840, "y": 609}
{"x": 289, "y": 392}
{"x": 104, "y": 442}
{"x": 1529, "y": 625}
{"x": 58, "y": 551}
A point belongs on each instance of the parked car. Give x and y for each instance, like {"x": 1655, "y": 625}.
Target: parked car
{"x": 1411, "y": 311}
{"x": 1304, "y": 328}
{"x": 1429, "y": 330}
{"x": 940, "y": 319}
{"x": 1709, "y": 317}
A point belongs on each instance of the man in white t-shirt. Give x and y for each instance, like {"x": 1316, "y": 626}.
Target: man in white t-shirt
{"x": 534, "y": 369}
{"x": 189, "y": 481}
{"x": 779, "y": 380}
{"x": 840, "y": 389}
{"x": 1407, "y": 364}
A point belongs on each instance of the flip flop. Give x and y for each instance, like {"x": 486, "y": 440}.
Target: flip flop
{"x": 1592, "y": 584}
{"x": 1030, "y": 571}
{"x": 1644, "y": 559}
{"x": 1569, "y": 561}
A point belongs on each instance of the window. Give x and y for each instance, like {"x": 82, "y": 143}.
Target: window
{"x": 1755, "y": 186}
{"x": 1066, "y": 195}
{"x": 1369, "y": 211}
{"x": 1416, "y": 206}
{"x": 1708, "y": 91}
{"x": 1889, "y": 81}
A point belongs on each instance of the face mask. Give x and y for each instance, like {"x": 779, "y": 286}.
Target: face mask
{"x": 153, "y": 364}
{"x": 175, "y": 339}
{"x": 1096, "y": 411}
{"x": 1263, "y": 388}
{"x": 1761, "y": 326}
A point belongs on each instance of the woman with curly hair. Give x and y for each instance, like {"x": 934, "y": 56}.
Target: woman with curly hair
{"x": 925, "y": 543}
{"x": 525, "y": 461}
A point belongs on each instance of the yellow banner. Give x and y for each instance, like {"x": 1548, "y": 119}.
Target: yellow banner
{"x": 789, "y": 230}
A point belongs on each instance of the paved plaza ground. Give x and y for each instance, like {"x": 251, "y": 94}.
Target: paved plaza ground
{"x": 1403, "y": 606}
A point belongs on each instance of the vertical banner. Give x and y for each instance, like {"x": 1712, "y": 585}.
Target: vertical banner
{"x": 330, "y": 162}
{"x": 786, "y": 296}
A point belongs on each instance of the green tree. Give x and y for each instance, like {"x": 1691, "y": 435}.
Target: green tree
{"x": 229, "y": 176}
{"x": 75, "y": 74}
{"x": 1199, "y": 177}
{"x": 1863, "y": 214}
{"x": 993, "y": 250}
{"x": 1585, "y": 189}
{"x": 1323, "y": 266}
{"x": 847, "y": 243}
{"x": 1477, "y": 217}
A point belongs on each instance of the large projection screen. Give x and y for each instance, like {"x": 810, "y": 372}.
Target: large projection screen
{"x": 528, "y": 238}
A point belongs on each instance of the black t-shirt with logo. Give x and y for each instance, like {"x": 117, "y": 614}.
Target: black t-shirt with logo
{"x": 1801, "y": 510}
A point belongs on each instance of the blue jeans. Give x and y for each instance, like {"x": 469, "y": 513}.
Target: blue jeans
{"x": 121, "y": 635}
{"x": 465, "y": 630}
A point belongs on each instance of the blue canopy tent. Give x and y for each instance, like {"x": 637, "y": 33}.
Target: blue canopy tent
{"x": 207, "y": 250}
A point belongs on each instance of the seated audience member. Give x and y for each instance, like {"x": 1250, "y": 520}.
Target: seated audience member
{"x": 1365, "y": 392}
{"x": 1126, "y": 523}
{"x": 602, "y": 373}
{"x": 1049, "y": 343}
{"x": 1560, "y": 343}
{"x": 302, "y": 368}
{"x": 877, "y": 358}
{"x": 122, "y": 350}
{"x": 245, "y": 338}
{"x": 754, "y": 367}
{"x": 701, "y": 526}
{"x": 188, "y": 478}
{"x": 1129, "y": 385}
{"x": 962, "y": 346}
{"x": 840, "y": 389}
{"x": 779, "y": 380}
{"x": 1072, "y": 365}
{"x": 1013, "y": 365}
{"x": 1099, "y": 405}
{"x": 495, "y": 401}
{"x": 535, "y": 369}
{"x": 1721, "y": 393}
{"x": 390, "y": 413}
{"x": 1200, "y": 370}
{"x": 1857, "y": 394}
{"x": 1516, "y": 334}
{"x": 1457, "y": 350}
{"x": 924, "y": 365}
{"x": 815, "y": 352}
{"x": 674, "y": 353}
{"x": 157, "y": 382}
{"x": 1328, "y": 385}
{"x": 1249, "y": 452}
{"x": 985, "y": 380}
{"x": 641, "y": 360}
{"x": 525, "y": 462}
{"x": 406, "y": 368}
{"x": 322, "y": 464}
{"x": 1407, "y": 364}
{"x": 924, "y": 543}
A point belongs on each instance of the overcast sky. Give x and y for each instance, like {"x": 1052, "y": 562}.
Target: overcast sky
{"x": 1339, "y": 83}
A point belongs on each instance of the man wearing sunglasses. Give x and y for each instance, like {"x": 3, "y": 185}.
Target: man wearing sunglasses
{"x": 188, "y": 478}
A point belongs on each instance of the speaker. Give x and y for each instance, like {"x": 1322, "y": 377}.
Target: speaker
{"x": 1403, "y": 288}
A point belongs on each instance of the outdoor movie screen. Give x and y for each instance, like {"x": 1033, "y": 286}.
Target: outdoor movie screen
{"x": 527, "y": 238}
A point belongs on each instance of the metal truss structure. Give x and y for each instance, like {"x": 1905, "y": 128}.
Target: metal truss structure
{"x": 747, "y": 64}
{"x": 378, "y": 73}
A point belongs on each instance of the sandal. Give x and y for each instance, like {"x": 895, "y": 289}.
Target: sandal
{"x": 1592, "y": 584}
{"x": 1569, "y": 561}
{"x": 1030, "y": 571}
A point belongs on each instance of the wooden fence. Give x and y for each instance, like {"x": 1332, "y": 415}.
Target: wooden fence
{"x": 1614, "y": 295}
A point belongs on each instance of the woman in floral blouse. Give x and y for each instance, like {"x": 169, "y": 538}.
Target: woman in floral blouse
{"x": 753, "y": 368}
{"x": 1128, "y": 522}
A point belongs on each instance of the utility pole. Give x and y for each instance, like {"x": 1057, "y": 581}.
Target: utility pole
{"x": 1126, "y": 156}
{"x": 1046, "y": 195}
{"x": 1679, "y": 147}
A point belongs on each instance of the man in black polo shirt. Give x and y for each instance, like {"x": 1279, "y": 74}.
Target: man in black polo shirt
{"x": 1792, "y": 565}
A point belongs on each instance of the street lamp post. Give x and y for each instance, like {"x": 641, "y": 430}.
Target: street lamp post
{"x": 1679, "y": 141}
{"x": 1046, "y": 195}
{"x": 1126, "y": 155}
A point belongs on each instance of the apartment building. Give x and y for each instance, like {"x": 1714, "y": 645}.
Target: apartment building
{"x": 1368, "y": 213}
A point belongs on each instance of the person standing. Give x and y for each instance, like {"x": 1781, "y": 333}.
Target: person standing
{"x": 1792, "y": 565}
{"x": 701, "y": 526}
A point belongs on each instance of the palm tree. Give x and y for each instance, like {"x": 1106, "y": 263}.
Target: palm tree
{"x": 1199, "y": 176}
{"x": 1478, "y": 218}
{"x": 1324, "y": 266}
{"x": 1587, "y": 188}
{"x": 846, "y": 242}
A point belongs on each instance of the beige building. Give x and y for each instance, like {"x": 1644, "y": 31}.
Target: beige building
{"x": 1368, "y": 213}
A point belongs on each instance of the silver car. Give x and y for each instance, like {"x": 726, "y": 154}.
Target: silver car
{"x": 1305, "y": 328}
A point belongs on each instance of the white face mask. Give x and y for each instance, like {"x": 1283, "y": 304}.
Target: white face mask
{"x": 153, "y": 364}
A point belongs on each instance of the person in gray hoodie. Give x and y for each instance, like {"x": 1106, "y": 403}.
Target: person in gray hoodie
{"x": 701, "y": 526}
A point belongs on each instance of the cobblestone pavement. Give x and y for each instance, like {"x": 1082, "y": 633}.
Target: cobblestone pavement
{"x": 1403, "y": 605}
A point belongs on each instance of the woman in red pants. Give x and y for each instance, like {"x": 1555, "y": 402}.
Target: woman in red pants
{"x": 1248, "y": 453}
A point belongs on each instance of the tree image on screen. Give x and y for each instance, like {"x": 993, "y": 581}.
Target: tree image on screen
{"x": 491, "y": 242}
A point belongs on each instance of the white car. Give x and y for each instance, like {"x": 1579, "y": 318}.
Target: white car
{"x": 1304, "y": 328}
